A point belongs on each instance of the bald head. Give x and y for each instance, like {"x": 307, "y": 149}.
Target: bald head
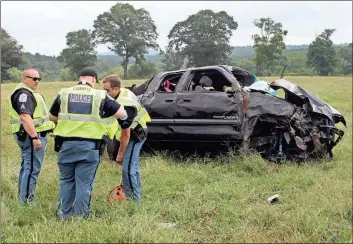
{"x": 30, "y": 78}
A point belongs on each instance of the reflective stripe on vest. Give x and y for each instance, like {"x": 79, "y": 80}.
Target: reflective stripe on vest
{"x": 110, "y": 120}
{"x": 79, "y": 117}
{"x": 36, "y": 122}
{"x": 138, "y": 117}
{"x": 128, "y": 101}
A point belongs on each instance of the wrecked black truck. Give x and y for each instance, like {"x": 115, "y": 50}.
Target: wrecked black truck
{"x": 213, "y": 107}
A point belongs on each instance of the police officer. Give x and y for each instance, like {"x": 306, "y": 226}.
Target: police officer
{"x": 78, "y": 137}
{"x": 29, "y": 119}
{"x": 132, "y": 134}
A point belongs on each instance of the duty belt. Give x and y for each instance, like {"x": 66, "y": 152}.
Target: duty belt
{"x": 79, "y": 139}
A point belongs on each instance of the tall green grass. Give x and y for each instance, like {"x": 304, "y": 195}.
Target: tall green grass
{"x": 219, "y": 199}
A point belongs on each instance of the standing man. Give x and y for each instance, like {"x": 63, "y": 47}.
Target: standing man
{"x": 79, "y": 135}
{"x": 132, "y": 134}
{"x": 29, "y": 119}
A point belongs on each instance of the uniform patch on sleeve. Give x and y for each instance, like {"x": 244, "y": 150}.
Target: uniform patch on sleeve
{"x": 23, "y": 106}
{"x": 22, "y": 98}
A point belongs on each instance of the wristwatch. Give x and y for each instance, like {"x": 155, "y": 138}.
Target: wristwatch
{"x": 34, "y": 138}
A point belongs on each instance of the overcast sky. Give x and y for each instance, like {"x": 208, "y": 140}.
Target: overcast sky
{"x": 42, "y": 26}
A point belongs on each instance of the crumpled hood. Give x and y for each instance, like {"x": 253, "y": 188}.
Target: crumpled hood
{"x": 264, "y": 104}
{"x": 298, "y": 96}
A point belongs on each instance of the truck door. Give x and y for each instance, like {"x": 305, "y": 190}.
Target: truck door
{"x": 208, "y": 107}
{"x": 160, "y": 104}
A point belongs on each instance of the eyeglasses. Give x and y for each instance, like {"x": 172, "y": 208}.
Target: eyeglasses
{"x": 34, "y": 78}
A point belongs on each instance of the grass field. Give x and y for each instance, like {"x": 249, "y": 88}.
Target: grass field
{"x": 208, "y": 200}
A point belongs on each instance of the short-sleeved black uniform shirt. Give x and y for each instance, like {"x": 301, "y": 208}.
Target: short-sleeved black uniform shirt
{"x": 23, "y": 102}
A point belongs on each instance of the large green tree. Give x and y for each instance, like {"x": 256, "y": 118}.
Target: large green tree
{"x": 296, "y": 62}
{"x": 204, "y": 37}
{"x": 143, "y": 69}
{"x": 345, "y": 55}
{"x": 268, "y": 45}
{"x": 42, "y": 62}
{"x": 128, "y": 31}
{"x": 322, "y": 54}
{"x": 246, "y": 64}
{"x": 11, "y": 53}
{"x": 173, "y": 60}
{"x": 80, "y": 52}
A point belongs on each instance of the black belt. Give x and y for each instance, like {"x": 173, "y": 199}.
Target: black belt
{"x": 79, "y": 139}
{"x": 43, "y": 133}
{"x": 99, "y": 143}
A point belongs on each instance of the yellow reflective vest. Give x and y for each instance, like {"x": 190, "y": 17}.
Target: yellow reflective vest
{"x": 79, "y": 114}
{"x": 127, "y": 99}
{"x": 40, "y": 116}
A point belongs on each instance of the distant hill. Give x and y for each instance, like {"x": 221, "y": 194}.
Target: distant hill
{"x": 239, "y": 52}
{"x": 150, "y": 52}
{"x": 107, "y": 60}
{"x": 41, "y": 62}
{"x": 242, "y": 52}
{"x": 249, "y": 52}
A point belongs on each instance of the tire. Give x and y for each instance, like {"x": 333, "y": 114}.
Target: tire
{"x": 112, "y": 148}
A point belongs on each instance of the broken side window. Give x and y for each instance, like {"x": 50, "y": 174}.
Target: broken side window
{"x": 141, "y": 89}
{"x": 169, "y": 83}
{"x": 208, "y": 81}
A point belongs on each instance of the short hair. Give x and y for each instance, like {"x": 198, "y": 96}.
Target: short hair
{"x": 25, "y": 71}
{"x": 114, "y": 80}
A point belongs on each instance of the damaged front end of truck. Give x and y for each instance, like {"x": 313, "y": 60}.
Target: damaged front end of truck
{"x": 297, "y": 127}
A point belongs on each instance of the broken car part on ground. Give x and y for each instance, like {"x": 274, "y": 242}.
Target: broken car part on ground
{"x": 216, "y": 105}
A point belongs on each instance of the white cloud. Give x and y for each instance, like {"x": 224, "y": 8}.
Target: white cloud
{"x": 42, "y": 26}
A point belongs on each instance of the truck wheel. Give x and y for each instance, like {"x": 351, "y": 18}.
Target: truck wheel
{"x": 112, "y": 148}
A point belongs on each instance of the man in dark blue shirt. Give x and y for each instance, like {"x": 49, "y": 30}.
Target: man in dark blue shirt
{"x": 80, "y": 132}
{"x": 29, "y": 125}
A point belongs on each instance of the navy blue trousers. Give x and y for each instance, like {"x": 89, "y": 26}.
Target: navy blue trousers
{"x": 78, "y": 163}
{"x": 30, "y": 168}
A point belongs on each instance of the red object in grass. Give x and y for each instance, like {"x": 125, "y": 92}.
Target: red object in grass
{"x": 117, "y": 193}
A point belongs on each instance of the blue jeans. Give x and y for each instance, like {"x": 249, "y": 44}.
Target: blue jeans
{"x": 78, "y": 163}
{"x": 30, "y": 168}
{"x": 131, "y": 170}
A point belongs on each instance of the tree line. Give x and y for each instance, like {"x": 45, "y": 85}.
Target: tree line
{"x": 201, "y": 39}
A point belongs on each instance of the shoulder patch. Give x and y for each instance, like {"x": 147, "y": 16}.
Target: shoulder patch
{"x": 22, "y": 98}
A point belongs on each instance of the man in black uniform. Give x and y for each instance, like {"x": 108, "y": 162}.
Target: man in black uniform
{"x": 79, "y": 133}
{"x": 30, "y": 124}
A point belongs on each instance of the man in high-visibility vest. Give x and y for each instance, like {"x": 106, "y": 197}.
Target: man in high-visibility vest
{"x": 132, "y": 133}
{"x": 79, "y": 133}
{"x": 29, "y": 119}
